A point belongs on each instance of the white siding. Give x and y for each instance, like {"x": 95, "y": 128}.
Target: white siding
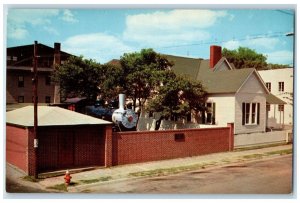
{"x": 223, "y": 66}
{"x": 252, "y": 91}
{"x": 274, "y": 77}
{"x": 252, "y": 85}
{"x": 224, "y": 108}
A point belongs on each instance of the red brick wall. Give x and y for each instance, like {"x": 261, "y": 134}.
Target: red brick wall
{"x": 70, "y": 147}
{"x": 135, "y": 147}
{"x": 16, "y": 147}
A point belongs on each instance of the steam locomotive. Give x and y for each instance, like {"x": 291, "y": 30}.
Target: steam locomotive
{"x": 123, "y": 119}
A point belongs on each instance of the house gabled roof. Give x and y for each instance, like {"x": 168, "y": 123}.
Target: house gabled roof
{"x": 185, "y": 66}
{"x": 223, "y": 60}
{"x": 225, "y": 81}
{"x": 50, "y": 116}
{"x": 213, "y": 81}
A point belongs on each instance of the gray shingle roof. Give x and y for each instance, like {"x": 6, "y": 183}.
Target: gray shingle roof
{"x": 225, "y": 81}
{"x": 214, "y": 82}
{"x": 50, "y": 116}
{"x": 185, "y": 66}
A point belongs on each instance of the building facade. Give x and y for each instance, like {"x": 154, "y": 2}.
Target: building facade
{"x": 19, "y": 86}
{"x": 280, "y": 83}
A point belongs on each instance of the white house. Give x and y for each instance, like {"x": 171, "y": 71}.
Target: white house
{"x": 236, "y": 96}
{"x": 280, "y": 83}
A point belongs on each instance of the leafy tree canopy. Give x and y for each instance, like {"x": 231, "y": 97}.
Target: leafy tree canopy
{"x": 244, "y": 57}
{"x": 178, "y": 97}
{"x": 142, "y": 72}
{"x": 142, "y": 76}
{"x": 78, "y": 77}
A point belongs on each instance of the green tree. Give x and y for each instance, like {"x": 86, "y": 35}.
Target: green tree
{"x": 142, "y": 72}
{"x": 78, "y": 77}
{"x": 111, "y": 81}
{"x": 276, "y": 66}
{"x": 244, "y": 57}
{"x": 178, "y": 97}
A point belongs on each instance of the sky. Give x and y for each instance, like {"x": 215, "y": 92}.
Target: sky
{"x": 106, "y": 34}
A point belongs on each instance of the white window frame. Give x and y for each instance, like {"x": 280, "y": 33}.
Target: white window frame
{"x": 269, "y": 86}
{"x": 249, "y": 114}
{"x": 281, "y": 86}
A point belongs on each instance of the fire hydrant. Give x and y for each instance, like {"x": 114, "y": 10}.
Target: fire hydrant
{"x": 67, "y": 178}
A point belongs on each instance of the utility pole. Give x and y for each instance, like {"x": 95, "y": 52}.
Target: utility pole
{"x": 35, "y": 136}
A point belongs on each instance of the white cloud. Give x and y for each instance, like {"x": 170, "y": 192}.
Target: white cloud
{"x": 51, "y": 30}
{"x": 166, "y": 28}
{"x": 264, "y": 42}
{"x": 18, "y": 19}
{"x": 232, "y": 44}
{"x": 15, "y": 32}
{"x": 31, "y": 16}
{"x": 68, "y": 16}
{"x": 99, "y": 46}
{"x": 280, "y": 57}
{"x": 253, "y": 43}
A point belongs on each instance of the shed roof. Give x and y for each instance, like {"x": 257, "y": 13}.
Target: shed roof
{"x": 272, "y": 99}
{"x": 50, "y": 116}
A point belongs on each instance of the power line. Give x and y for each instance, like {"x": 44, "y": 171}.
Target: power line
{"x": 253, "y": 37}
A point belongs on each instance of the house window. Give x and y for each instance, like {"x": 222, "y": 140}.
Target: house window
{"x": 280, "y": 107}
{"x": 20, "y": 81}
{"x": 209, "y": 116}
{"x": 281, "y": 86}
{"x": 250, "y": 114}
{"x": 21, "y": 99}
{"x": 48, "y": 99}
{"x": 47, "y": 80}
{"x": 268, "y": 85}
{"x": 268, "y": 107}
{"x": 209, "y": 113}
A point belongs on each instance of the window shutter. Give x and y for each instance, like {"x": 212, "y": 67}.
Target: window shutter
{"x": 243, "y": 114}
{"x": 258, "y": 112}
{"x": 203, "y": 117}
{"x": 214, "y": 114}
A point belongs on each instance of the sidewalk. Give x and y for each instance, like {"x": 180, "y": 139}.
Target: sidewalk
{"x": 172, "y": 166}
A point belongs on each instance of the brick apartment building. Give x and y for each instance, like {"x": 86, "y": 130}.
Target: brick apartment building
{"x": 19, "y": 68}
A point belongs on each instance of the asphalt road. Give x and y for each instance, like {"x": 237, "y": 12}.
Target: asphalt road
{"x": 271, "y": 176}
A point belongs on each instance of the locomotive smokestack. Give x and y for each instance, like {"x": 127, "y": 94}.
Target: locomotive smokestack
{"x": 121, "y": 101}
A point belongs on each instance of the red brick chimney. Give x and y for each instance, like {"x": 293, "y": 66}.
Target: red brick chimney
{"x": 56, "y": 54}
{"x": 215, "y": 55}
